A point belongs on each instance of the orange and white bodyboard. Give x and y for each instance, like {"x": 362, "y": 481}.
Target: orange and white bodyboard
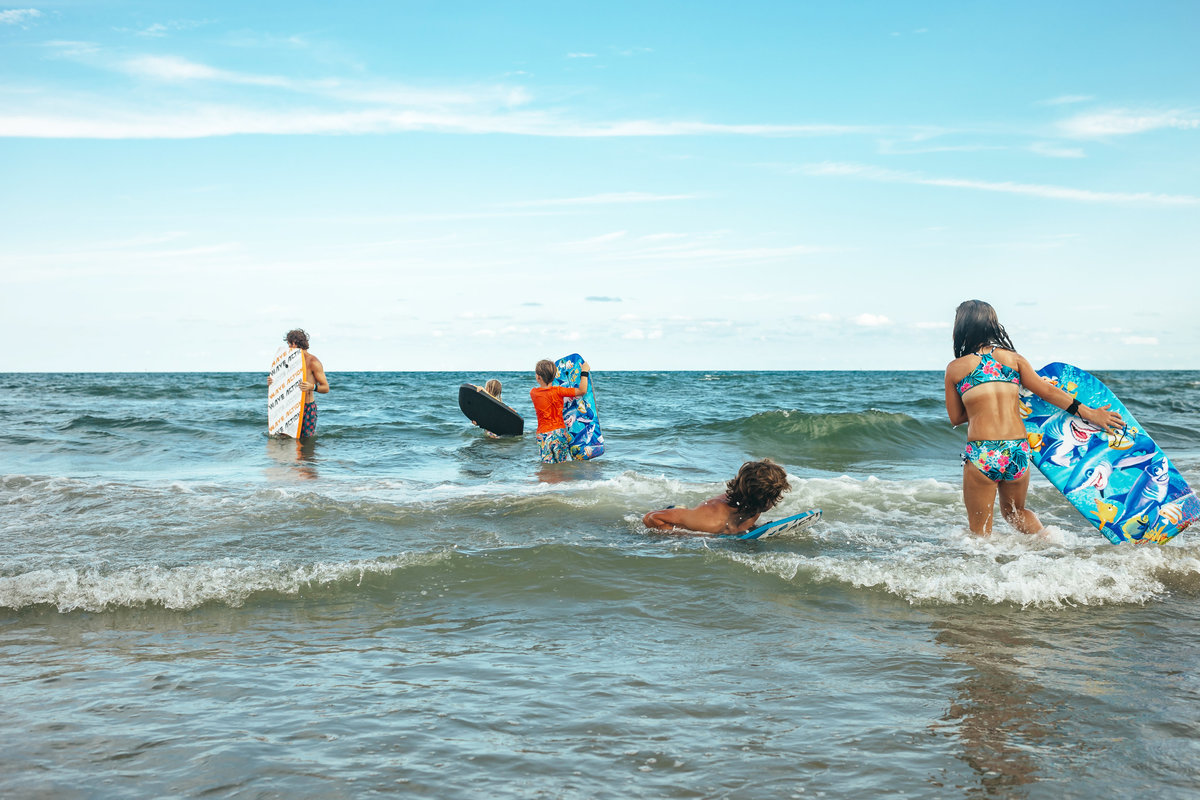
{"x": 285, "y": 400}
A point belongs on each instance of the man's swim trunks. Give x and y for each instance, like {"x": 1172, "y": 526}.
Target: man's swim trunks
{"x": 555, "y": 446}
{"x": 309, "y": 425}
{"x": 999, "y": 459}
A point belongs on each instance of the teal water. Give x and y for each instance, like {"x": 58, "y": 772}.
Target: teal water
{"x": 404, "y": 607}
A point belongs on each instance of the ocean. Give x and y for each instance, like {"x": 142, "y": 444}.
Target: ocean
{"x": 404, "y": 607}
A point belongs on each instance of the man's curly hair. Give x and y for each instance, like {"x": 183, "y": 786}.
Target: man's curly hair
{"x": 297, "y": 338}
{"x": 757, "y": 487}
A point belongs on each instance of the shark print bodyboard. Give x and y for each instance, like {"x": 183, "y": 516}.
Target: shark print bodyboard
{"x": 1122, "y": 482}
{"x": 579, "y": 412}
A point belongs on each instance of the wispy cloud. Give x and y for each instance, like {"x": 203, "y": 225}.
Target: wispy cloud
{"x": 1056, "y": 151}
{"x": 606, "y": 237}
{"x": 607, "y": 198}
{"x": 593, "y": 243}
{"x": 98, "y": 118}
{"x": 637, "y": 334}
{"x": 159, "y": 30}
{"x": 138, "y": 255}
{"x": 890, "y": 147}
{"x": 707, "y": 250}
{"x": 870, "y": 320}
{"x": 581, "y": 55}
{"x": 865, "y": 172}
{"x": 602, "y": 299}
{"x": 1123, "y": 122}
{"x": 322, "y": 106}
{"x": 19, "y": 16}
{"x": 174, "y": 69}
{"x": 66, "y": 48}
{"x": 1066, "y": 99}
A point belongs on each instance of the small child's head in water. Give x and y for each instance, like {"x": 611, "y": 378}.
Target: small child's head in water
{"x": 492, "y": 387}
{"x": 757, "y": 487}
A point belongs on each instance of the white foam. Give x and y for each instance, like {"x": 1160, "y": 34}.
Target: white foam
{"x": 186, "y": 587}
{"x": 1062, "y": 569}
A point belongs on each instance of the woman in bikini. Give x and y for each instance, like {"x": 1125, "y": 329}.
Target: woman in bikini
{"x": 983, "y": 389}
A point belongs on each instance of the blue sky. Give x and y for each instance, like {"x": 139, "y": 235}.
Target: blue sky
{"x": 433, "y": 185}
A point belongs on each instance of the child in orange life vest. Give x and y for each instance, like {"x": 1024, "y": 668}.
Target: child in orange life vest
{"x": 553, "y": 441}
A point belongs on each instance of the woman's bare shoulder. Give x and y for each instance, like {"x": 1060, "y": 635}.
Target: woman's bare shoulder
{"x": 1009, "y": 358}
{"x": 962, "y": 364}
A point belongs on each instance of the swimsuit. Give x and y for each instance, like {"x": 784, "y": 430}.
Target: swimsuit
{"x": 988, "y": 370}
{"x": 999, "y": 459}
{"x": 554, "y": 446}
{"x": 308, "y": 426}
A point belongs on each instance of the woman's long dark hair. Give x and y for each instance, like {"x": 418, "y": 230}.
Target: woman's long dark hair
{"x": 976, "y": 326}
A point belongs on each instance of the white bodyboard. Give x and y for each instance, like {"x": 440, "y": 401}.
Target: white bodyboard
{"x": 285, "y": 400}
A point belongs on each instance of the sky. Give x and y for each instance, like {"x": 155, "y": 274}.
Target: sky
{"x": 654, "y": 185}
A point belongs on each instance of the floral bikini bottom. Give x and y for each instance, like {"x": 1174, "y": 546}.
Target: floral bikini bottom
{"x": 999, "y": 459}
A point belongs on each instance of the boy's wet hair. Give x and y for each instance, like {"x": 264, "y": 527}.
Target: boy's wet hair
{"x": 297, "y": 338}
{"x": 545, "y": 370}
{"x": 757, "y": 487}
{"x": 976, "y": 325}
{"x": 492, "y": 387}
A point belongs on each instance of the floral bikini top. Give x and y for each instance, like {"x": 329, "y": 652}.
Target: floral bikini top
{"x": 988, "y": 370}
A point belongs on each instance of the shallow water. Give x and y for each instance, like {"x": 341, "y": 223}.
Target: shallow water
{"x": 188, "y": 607}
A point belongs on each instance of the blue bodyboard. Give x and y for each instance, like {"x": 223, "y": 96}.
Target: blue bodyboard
{"x": 1121, "y": 482}
{"x": 579, "y": 412}
{"x": 781, "y": 528}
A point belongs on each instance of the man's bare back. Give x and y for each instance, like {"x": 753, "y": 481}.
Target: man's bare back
{"x": 317, "y": 381}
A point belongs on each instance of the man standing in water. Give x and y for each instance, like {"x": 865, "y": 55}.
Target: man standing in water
{"x": 316, "y": 382}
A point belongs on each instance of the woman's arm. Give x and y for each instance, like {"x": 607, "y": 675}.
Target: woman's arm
{"x": 954, "y": 404}
{"x": 1101, "y": 417}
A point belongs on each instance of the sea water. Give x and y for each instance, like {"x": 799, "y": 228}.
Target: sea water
{"x": 404, "y": 607}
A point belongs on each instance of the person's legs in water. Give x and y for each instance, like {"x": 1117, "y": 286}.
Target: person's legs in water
{"x": 979, "y": 496}
{"x": 1004, "y": 464}
{"x": 308, "y": 426}
{"x": 1012, "y": 505}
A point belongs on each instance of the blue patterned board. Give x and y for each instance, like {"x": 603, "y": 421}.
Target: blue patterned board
{"x": 1121, "y": 482}
{"x": 780, "y": 528}
{"x": 579, "y": 412}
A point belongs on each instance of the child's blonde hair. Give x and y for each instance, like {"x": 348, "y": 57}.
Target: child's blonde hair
{"x": 492, "y": 387}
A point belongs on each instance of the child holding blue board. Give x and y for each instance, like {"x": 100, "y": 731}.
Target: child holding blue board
{"x": 554, "y": 443}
